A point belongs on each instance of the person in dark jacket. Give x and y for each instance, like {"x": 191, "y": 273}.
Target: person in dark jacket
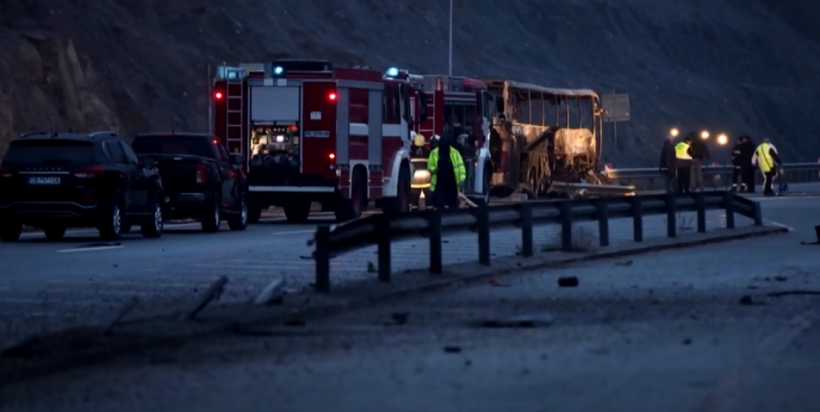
{"x": 747, "y": 169}
{"x": 700, "y": 153}
{"x": 667, "y": 165}
{"x": 737, "y": 164}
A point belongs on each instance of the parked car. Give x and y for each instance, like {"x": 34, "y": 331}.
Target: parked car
{"x": 59, "y": 180}
{"x": 201, "y": 180}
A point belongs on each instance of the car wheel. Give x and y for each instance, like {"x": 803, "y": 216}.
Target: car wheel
{"x": 110, "y": 226}
{"x": 54, "y": 232}
{"x": 239, "y": 221}
{"x": 10, "y": 231}
{"x": 152, "y": 227}
{"x": 211, "y": 218}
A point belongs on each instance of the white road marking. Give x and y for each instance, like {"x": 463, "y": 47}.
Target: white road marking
{"x": 89, "y": 249}
{"x": 293, "y": 232}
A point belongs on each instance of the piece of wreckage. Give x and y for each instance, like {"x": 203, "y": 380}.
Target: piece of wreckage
{"x": 546, "y": 142}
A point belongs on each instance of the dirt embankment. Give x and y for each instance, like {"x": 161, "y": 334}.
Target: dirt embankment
{"x": 732, "y": 65}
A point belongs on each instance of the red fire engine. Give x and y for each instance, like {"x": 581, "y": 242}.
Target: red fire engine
{"x": 458, "y": 105}
{"x": 311, "y": 132}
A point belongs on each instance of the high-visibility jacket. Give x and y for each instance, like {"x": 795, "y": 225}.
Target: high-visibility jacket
{"x": 682, "y": 151}
{"x": 763, "y": 156}
{"x": 458, "y": 167}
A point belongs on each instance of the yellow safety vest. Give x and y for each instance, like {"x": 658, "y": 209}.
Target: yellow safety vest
{"x": 764, "y": 157}
{"x": 682, "y": 151}
{"x": 458, "y": 167}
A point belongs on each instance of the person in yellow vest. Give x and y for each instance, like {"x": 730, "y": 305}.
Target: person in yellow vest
{"x": 683, "y": 162}
{"x": 448, "y": 173}
{"x": 767, "y": 159}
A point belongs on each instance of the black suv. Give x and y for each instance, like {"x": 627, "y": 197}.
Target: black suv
{"x": 60, "y": 180}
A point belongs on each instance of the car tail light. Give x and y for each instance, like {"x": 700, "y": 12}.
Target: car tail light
{"x": 88, "y": 172}
{"x": 201, "y": 175}
{"x": 6, "y": 172}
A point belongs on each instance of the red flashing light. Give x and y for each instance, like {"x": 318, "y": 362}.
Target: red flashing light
{"x": 293, "y": 127}
{"x": 218, "y": 96}
{"x": 331, "y": 96}
{"x": 215, "y": 141}
{"x": 88, "y": 173}
{"x": 331, "y": 156}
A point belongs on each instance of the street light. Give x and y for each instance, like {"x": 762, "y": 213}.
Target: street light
{"x": 722, "y": 139}
{"x": 704, "y": 135}
{"x": 674, "y": 132}
{"x": 450, "y": 53}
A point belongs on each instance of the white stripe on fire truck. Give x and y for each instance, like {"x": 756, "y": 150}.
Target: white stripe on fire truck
{"x": 388, "y": 130}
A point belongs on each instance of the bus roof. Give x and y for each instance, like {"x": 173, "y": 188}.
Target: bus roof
{"x": 520, "y": 86}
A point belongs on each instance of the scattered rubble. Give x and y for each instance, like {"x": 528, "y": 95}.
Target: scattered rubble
{"x": 568, "y": 282}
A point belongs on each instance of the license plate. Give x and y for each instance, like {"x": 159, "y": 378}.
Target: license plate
{"x": 44, "y": 180}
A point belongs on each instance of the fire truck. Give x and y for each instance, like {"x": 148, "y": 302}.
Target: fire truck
{"x": 458, "y": 105}
{"x": 312, "y": 132}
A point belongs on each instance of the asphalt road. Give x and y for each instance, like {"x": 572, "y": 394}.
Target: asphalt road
{"x": 46, "y": 286}
{"x": 659, "y": 332}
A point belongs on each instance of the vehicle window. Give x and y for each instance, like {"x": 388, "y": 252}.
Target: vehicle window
{"x": 129, "y": 153}
{"x": 114, "y": 150}
{"x": 49, "y": 152}
{"x": 175, "y": 144}
{"x": 223, "y": 154}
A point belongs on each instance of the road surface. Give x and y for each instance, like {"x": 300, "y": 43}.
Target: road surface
{"x": 661, "y": 332}
{"x": 48, "y": 286}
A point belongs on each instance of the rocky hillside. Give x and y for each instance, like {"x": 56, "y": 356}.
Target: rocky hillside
{"x": 743, "y": 66}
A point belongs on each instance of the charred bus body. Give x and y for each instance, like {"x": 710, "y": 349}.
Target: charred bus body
{"x": 312, "y": 132}
{"x": 543, "y": 137}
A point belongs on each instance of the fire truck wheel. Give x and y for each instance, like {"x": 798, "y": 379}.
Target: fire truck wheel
{"x": 254, "y": 212}
{"x": 358, "y": 193}
{"x": 297, "y": 212}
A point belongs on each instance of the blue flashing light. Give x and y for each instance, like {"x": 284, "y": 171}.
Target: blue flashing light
{"x": 393, "y": 72}
{"x": 278, "y": 70}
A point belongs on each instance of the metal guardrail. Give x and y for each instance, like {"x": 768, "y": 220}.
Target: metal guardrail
{"x": 382, "y": 229}
{"x": 795, "y": 173}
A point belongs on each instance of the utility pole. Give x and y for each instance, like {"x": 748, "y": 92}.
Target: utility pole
{"x": 450, "y": 65}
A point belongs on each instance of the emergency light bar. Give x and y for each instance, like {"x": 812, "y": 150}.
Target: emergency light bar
{"x": 279, "y": 67}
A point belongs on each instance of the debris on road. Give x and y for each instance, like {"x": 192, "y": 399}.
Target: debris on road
{"x": 295, "y": 323}
{"x": 520, "y": 321}
{"x": 568, "y": 282}
{"x": 626, "y": 263}
{"x": 213, "y": 293}
{"x": 126, "y": 308}
{"x": 452, "y": 349}
{"x": 497, "y": 283}
{"x": 687, "y": 341}
{"x": 272, "y": 294}
{"x": 793, "y": 293}
{"x": 399, "y": 318}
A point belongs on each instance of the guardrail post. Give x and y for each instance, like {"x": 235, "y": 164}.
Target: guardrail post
{"x": 637, "y": 219}
{"x": 384, "y": 247}
{"x": 483, "y": 220}
{"x": 757, "y": 211}
{"x": 729, "y": 199}
{"x": 525, "y": 211}
{"x": 566, "y": 225}
{"x": 434, "y": 227}
{"x": 322, "y": 257}
{"x": 602, "y": 211}
{"x": 700, "y": 207}
{"x": 671, "y": 218}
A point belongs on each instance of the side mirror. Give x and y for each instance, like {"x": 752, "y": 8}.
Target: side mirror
{"x": 237, "y": 159}
{"x": 149, "y": 162}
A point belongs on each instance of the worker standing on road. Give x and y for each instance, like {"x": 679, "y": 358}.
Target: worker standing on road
{"x": 747, "y": 169}
{"x": 683, "y": 162}
{"x": 767, "y": 159}
{"x": 700, "y": 153}
{"x": 667, "y": 165}
{"x": 448, "y": 174}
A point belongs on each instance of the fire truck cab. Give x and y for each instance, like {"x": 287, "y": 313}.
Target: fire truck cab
{"x": 312, "y": 132}
{"x": 459, "y": 106}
